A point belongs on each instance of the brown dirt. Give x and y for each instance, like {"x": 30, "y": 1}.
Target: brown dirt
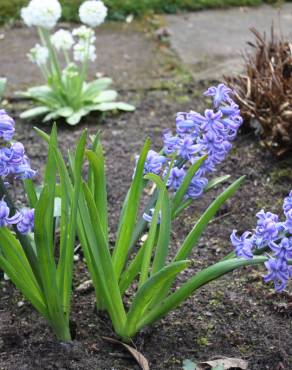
{"x": 236, "y": 316}
{"x": 125, "y": 52}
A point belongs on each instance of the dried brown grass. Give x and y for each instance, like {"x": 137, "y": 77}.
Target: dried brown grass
{"x": 264, "y": 91}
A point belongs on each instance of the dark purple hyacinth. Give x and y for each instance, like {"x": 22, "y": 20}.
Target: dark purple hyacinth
{"x": 26, "y": 224}
{"x": 154, "y": 162}
{"x": 6, "y": 126}
{"x": 196, "y": 188}
{"x": 274, "y": 235}
{"x": 278, "y": 272}
{"x": 220, "y": 94}
{"x": 13, "y": 161}
{"x": 176, "y": 177}
{"x": 243, "y": 244}
{"x": 5, "y": 220}
{"x": 287, "y": 207}
{"x": 268, "y": 227}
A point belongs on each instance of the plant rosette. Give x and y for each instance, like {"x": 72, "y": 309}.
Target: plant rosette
{"x": 67, "y": 94}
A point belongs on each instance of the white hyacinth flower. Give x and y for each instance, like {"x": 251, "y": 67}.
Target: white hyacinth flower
{"x": 62, "y": 40}
{"x": 42, "y": 13}
{"x": 92, "y": 13}
{"x": 83, "y": 51}
{"x": 39, "y": 55}
{"x": 84, "y": 33}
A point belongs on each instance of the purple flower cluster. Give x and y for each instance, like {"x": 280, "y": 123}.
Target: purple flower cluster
{"x": 274, "y": 234}
{"x": 6, "y": 126}
{"x": 23, "y": 220}
{"x": 26, "y": 224}
{"x": 13, "y": 160}
{"x": 198, "y": 135}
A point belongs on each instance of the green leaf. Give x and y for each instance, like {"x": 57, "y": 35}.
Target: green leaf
{"x": 180, "y": 193}
{"x": 189, "y": 365}
{"x": 131, "y": 271}
{"x": 14, "y": 263}
{"x": 96, "y": 160}
{"x": 34, "y": 112}
{"x": 105, "y": 96}
{"x": 165, "y": 224}
{"x": 103, "y": 107}
{"x": 200, "y": 279}
{"x": 203, "y": 221}
{"x": 31, "y": 192}
{"x": 75, "y": 118}
{"x": 125, "y": 107}
{"x": 44, "y": 95}
{"x": 51, "y": 116}
{"x": 92, "y": 89}
{"x": 214, "y": 182}
{"x": 147, "y": 291}
{"x": 101, "y": 258}
{"x": 3, "y": 82}
{"x": 68, "y": 231}
{"x": 65, "y": 112}
{"x": 129, "y": 214}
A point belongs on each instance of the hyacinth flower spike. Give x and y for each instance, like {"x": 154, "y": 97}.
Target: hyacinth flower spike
{"x": 274, "y": 237}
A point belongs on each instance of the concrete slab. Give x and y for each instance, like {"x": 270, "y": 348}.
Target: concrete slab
{"x": 211, "y": 42}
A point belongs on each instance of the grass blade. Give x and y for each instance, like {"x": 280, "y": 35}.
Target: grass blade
{"x": 129, "y": 214}
{"x": 203, "y": 221}
{"x": 202, "y": 278}
{"x": 147, "y": 291}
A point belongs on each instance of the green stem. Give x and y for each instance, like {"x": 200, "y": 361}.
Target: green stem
{"x": 83, "y": 74}
{"x": 55, "y": 65}
{"x": 62, "y": 330}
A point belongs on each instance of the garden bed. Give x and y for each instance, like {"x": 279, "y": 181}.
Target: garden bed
{"x": 236, "y": 316}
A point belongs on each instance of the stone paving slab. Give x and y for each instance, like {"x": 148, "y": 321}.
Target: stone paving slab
{"x": 211, "y": 42}
{"x": 125, "y": 53}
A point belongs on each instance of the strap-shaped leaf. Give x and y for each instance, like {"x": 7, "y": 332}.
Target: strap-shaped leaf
{"x": 102, "y": 260}
{"x": 34, "y": 112}
{"x": 164, "y": 226}
{"x": 68, "y": 232}
{"x": 24, "y": 240}
{"x": 200, "y": 279}
{"x": 203, "y": 221}
{"x": 179, "y": 195}
{"x": 96, "y": 160}
{"x": 94, "y": 88}
{"x": 14, "y": 263}
{"x": 31, "y": 192}
{"x": 132, "y": 270}
{"x": 24, "y": 286}
{"x": 148, "y": 290}
{"x": 46, "y": 258}
{"x": 186, "y": 203}
{"x": 216, "y": 181}
{"x": 129, "y": 214}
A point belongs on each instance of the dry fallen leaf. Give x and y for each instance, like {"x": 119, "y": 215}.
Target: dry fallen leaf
{"x": 226, "y": 363}
{"x": 141, "y": 360}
